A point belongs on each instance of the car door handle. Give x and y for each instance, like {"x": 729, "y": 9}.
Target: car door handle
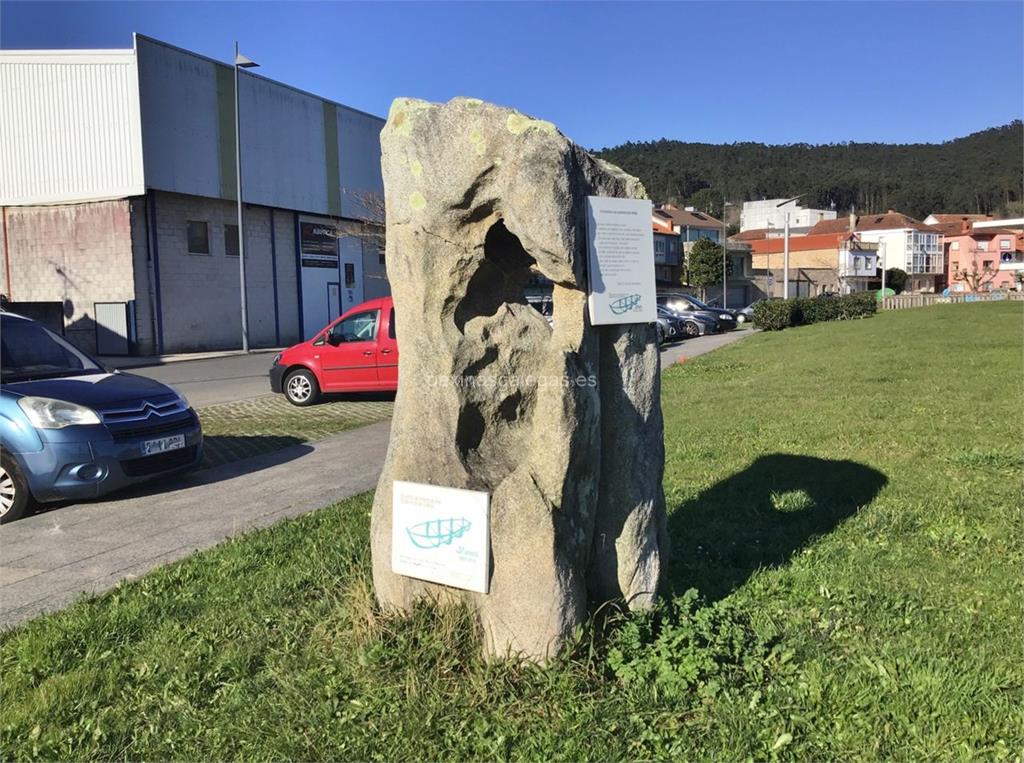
{"x": 367, "y": 352}
{"x": 385, "y": 351}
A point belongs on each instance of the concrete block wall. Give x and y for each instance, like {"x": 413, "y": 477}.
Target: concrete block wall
{"x": 199, "y": 293}
{"x": 74, "y": 254}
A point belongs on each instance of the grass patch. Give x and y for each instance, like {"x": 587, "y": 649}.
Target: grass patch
{"x": 845, "y": 496}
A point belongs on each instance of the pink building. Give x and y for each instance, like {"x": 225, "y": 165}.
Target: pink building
{"x": 981, "y": 255}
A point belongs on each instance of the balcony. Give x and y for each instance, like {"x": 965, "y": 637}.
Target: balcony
{"x": 857, "y": 264}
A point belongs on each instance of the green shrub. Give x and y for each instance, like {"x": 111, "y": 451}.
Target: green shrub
{"x": 860, "y": 304}
{"x": 775, "y": 314}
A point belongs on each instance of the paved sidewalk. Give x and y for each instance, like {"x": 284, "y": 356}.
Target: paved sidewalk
{"x": 691, "y": 348}
{"x": 144, "y": 361}
{"x": 47, "y": 560}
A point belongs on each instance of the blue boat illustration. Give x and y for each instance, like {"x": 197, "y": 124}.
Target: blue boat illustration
{"x": 438, "y": 532}
{"x": 625, "y": 304}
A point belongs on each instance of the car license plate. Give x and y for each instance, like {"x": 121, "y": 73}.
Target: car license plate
{"x": 163, "y": 444}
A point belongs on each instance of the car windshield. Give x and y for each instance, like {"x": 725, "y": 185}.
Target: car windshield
{"x": 30, "y": 351}
{"x": 697, "y": 302}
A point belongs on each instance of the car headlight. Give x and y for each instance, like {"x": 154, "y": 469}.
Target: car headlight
{"x": 277, "y": 359}
{"x": 47, "y": 413}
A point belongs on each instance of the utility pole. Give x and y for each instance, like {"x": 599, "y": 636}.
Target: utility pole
{"x": 725, "y": 286}
{"x": 243, "y": 63}
{"x": 785, "y": 259}
{"x": 881, "y": 251}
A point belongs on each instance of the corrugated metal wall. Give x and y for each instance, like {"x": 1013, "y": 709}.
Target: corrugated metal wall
{"x": 69, "y": 127}
{"x": 299, "y": 151}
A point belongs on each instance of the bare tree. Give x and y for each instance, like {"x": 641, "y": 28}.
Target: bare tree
{"x": 368, "y": 225}
{"x": 977, "y": 277}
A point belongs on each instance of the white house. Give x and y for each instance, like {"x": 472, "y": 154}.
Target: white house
{"x": 903, "y": 243}
{"x": 757, "y": 215}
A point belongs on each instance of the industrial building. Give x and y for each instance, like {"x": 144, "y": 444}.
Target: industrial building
{"x": 118, "y": 196}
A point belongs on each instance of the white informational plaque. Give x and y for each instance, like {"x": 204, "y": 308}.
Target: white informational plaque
{"x": 441, "y": 534}
{"x": 620, "y": 247}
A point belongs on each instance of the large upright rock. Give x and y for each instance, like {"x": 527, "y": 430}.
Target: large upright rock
{"x": 561, "y": 425}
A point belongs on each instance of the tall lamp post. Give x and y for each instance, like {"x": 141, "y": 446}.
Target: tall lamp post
{"x": 725, "y": 238}
{"x": 241, "y": 62}
{"x": 785, "y": 247}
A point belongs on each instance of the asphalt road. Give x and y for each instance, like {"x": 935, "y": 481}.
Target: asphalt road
{"x": 213, "y": 380}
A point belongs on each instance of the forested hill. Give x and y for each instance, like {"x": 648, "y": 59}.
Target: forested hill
{"x": 979, "y": 173}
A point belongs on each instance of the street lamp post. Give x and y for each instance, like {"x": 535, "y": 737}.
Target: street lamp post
{"x": 241, "y": 62}
{"x": 881, "y": 251}
{"x": 785, "y": 247}
{"x": 725, "y": 238}
{"x": 785, "y": 259}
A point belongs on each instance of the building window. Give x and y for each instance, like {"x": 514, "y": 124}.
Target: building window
{"x": 983, "y": 246}
{"x": 380, "y": 257}
{"x": 986, "y": 265}
{"x": 955, "y": 246}
{"x": 1004, "y": 243}
{"x": 956, "y": 266}
{"x": 231, "y": 240}
{"x": 659, "y": 246}
{"x": 198, "y": 237}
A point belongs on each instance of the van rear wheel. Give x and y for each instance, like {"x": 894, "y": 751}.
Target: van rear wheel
{"x": 15, "y": 499}
{"x": 301, "y": 388}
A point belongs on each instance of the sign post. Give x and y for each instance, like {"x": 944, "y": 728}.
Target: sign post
{"x": 620, "y": 249}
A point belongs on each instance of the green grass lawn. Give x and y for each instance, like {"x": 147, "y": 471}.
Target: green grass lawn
{"x": 846, "y": 497}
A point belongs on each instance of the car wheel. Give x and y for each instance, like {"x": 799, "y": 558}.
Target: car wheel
{"x": 15, "y": 498}
{"x": 660, "y": 333}
{"x": 691, "y": 329}
{"x": 300, "y": 388}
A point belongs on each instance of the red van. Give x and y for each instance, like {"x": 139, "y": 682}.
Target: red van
{"x": 355, "y": 353}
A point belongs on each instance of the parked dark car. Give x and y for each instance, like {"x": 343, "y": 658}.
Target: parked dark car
{"x": 687, "y": 303}
{"x": 687, "y": 324}
{"x": 71, "y": 429}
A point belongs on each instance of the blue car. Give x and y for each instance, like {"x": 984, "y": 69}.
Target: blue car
{"x": 70, "y": 429}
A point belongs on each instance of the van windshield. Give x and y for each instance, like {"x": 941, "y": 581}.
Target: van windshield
{"x": 29, "y": 351}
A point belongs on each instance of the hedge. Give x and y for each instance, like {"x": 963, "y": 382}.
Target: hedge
{"x": 777, "y": 314}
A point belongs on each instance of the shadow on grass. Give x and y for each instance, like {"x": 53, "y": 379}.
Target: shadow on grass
{"x": 760, "y": 517}
{"x": 221, "y": 449}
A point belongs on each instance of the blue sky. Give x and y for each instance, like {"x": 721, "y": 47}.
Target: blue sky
{"x": 717, "y": 72}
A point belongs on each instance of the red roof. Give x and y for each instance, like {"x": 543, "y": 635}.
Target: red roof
{"x": 959, "y": 228}
{"x": 683, "y": 218}
{"x": 799, "y": 243}
{"x": 947, "y": 218}
{"x": 754, "y": 234}
{"x": 890, "y": 220}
